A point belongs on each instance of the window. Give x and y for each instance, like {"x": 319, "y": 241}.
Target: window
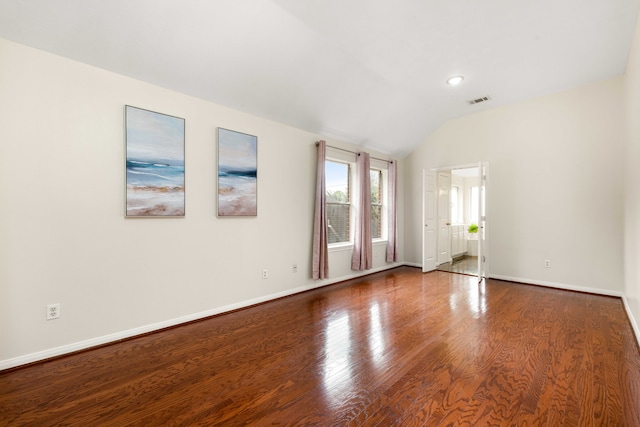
{"x": 473, "y": 214}
{"x": 339, "y": 173}
{"x": 338, "y": 201}
{"x": 376, "y": 203}
{"x": 456, "y": 215}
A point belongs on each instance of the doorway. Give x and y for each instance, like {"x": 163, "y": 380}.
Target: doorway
{"x": 455, "y": 203}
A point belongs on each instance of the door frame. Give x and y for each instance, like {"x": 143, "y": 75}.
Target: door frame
{"x": 425, "y": 241}
{"x": 483, "y": 258}
{"x": 429, "y": 229}
{"x": 444, "y": 223}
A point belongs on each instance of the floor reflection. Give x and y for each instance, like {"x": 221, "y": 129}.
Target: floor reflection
{"x": 471, "y": 296}
{"x": 477, "y": 299}
{"x": 376, "y": 337}
{"x": 463, "y": 265}
{"x": 337, "y": 364}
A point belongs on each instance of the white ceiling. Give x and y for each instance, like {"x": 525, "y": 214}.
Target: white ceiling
{"x": 370, "y": 72}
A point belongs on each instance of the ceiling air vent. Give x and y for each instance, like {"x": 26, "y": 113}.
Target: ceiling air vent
{"x": 479, "y": 100}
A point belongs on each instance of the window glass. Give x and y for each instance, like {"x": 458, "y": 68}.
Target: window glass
{"x": 338, "y": 201}
{"x": 376, "y": 203}
{"x": 456, "y": 218}
{"x": 473, "y": 214}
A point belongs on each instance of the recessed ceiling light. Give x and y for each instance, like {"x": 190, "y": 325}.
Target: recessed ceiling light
{"x": 454, "y": 80}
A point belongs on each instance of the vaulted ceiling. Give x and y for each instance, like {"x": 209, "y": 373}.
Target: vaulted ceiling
{"x": 370, "y": 72}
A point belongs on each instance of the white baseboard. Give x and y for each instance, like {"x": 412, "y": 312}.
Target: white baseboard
{"x": 106, "y": 339}
{"x": 634, "y": 323}
{"x": 353, "y": 275}
{"x": 606, "y": 292}
{"x": 117, "y": 336}
{"x": 556, "y": 285}
{"x": 413, "y": 264}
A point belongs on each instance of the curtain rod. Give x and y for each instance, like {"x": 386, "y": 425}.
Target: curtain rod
{"x": 353, "y": 152}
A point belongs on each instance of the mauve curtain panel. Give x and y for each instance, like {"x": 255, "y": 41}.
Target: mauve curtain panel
{"x": 362, "y": 248}
{"x": 320, "y": 243}
{"x": 392, "y": 228}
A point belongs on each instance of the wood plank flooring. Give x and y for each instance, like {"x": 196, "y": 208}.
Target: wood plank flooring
{"x": 464, "y": 265}
{"x": 398, "y": 348}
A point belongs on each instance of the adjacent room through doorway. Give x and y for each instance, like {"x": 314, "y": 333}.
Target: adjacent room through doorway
{"x": 459, "y": 218}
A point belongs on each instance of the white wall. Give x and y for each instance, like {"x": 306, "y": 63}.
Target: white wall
{"x": 64, "y": 237}
{"x": 555, "y": 185}
{"x": 632, "y": 188}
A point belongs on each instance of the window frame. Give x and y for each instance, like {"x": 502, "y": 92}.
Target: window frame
{"x": 455, "y": 202}
{"x": 383, "y": 167}
{"x": 350, "y": 171}
{"x": 382, "y": 204}
{"x": 340, "y": 156}
{"x": 473, "y": 204}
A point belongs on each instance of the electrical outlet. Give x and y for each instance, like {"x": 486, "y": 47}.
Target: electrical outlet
{"x": 265, "y": 274}
{"x": 294, "y": 268}
{"x": 547, "y": 263}
{"x": 53, "y": 311}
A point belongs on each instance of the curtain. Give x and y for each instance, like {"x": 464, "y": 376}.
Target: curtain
{"x": 362, "y": 248}
{"x": 392, "y": 229}
{"x": 320, "y": 243}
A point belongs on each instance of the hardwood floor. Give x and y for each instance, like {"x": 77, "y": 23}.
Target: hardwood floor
{"x": 393, "y": 348}
{"x": 464, "y": 265}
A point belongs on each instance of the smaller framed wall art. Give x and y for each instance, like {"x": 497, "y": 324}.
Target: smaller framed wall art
{"x": 237, "y": 174}
{"x": 154, "y": 164}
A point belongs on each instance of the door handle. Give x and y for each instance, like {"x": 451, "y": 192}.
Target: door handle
{"x": 448, "y": 223}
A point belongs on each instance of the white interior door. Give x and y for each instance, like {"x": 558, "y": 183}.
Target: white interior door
{"x": 429, "y": 220}
{"x": 444, "y": 217}
{"x": 482, "y": 220}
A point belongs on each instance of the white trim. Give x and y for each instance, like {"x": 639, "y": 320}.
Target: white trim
{"x": 558, "y": 285}
{"x": 340, "y": 246}
{"x": 463, "y": 166}
{"x": 117, "y": 336}
{"x": 347, "y": 246}
{"x": 606, "y": 292}
{"x": 413, "y": 264}
{"x": 354, "y": 275}
{"x": 106, "y": 339}
{"x": 379, "y": 164}
{"x": 632, "y": 320}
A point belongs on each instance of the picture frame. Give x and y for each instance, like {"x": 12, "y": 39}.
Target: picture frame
{"x": 155, "y": 166}
{"x": 237, "y": 174}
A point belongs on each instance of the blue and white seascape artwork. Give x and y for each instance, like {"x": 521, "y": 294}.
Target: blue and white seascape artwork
{"x": 237, "y": 174}
{"x": 155, "y": 164}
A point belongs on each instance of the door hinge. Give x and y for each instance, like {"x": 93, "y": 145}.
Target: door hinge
{"x": 484, "y": 259}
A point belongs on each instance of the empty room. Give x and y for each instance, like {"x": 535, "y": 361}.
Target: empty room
{"x": 288, "y": 212}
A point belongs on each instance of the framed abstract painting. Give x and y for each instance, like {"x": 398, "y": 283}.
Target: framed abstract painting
{"x": 154, "y": 164}
{"x": 237, "y": 174}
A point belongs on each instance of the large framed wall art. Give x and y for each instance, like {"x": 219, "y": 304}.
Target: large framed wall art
{"x": 154, "y": 164}
{"x": 237, "y": 174}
